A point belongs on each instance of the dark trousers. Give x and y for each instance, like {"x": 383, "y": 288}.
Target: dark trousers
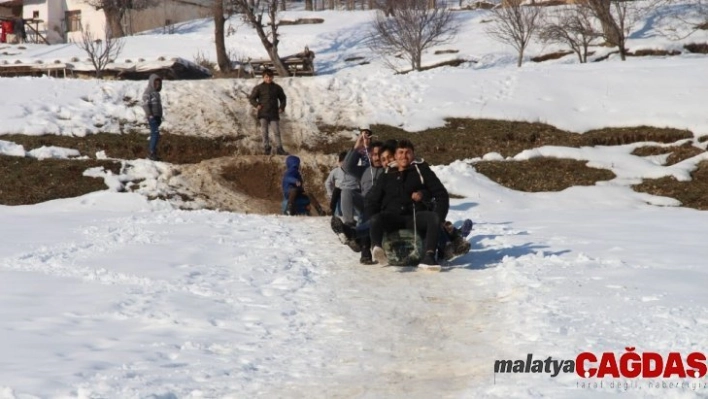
{"x": 427, "y": 225}
{"x": 336, "y": 195}
{"x": 154, "y": 123}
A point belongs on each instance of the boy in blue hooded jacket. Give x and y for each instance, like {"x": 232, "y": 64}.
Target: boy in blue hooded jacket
{"x": 293, "y": 190}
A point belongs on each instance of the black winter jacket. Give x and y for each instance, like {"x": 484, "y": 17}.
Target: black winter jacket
{"x": 392, "y": 192}
{"x": 268, "y": 95}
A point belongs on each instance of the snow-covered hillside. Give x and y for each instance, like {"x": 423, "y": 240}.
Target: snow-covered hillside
{"x": 568, "y": 95}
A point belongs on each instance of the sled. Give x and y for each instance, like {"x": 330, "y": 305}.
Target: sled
{"x": 302, "y": 206}
{"x": 403, "y": 248}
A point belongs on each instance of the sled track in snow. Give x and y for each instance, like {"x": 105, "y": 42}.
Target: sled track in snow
{"x": 408, "y": 331}
{"x": 303, "y": 321}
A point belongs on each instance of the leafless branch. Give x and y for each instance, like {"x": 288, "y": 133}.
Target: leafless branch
{"x": 253, "y": 11}
{"x": 570, "y": 25}
{"x": 412, "y": 28}
{"x": 100, "y": 51}
{"x": 617, "y": 18}
{"x": 515, "y": 24}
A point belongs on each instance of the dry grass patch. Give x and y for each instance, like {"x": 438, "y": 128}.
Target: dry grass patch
{"x": 27, "y": 181}
{"x": 260, "y": 176}
{"x": 656, "y": 52}
{"x": 651, "y": 150}
{"x": 551, "y": 56}
{"x": 542, "y": 174}
{"x": 301, "y": 21}
{"x": 454, "y": 63}
{"x": 330, "y": 140}
{"x": 450, "y": 51}
{"x": 692, "y": 194}
{"x": 700, "y": 48}
{"x": 173, "y": 148}
{"x": 629, "y": 135}
{"x": 469, "y": 138}
{"x": 678, "y": 153}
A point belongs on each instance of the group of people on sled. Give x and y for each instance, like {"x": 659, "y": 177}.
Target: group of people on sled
{"x": 377, "y": 188}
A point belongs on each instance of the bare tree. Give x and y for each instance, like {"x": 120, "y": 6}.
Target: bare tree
{"x": 602, "y": 10}
{"x": 219, "y": 22}
{"x": 617, "y": 18}
{"x": 412, "y": 29}
{"x": 515, "y": 24}
{"x": 253, "y": 11}
{"x": 100, "y": 51}
{"x": 612, "y": 16}
{"x": 114, "y": 11}
{"x": 573, "y": 26}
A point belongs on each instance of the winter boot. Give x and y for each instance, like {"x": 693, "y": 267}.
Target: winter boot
{"x": 429, "y": 262}
{"x": 338, "y": 227}
{"x": 466, "y": 228}
{"x": 379, "y": 255}
{"x": 280, "y": 151}
{"x": 366, "y": 258}
{"x": 429, "y": 259}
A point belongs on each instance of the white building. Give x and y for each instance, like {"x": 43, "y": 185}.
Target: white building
{"x": 61, "y": 21}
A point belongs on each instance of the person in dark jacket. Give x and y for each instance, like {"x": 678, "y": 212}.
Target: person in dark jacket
{"x": 20, "y": 30}
{"x": 152, "y": 105}
{"x": 396, "y": 195}
{"x": 269, "y": 100}
{"x": 294, "y": 190}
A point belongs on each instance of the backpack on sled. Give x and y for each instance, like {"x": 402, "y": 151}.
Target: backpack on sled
{"x": 403, "y": 247}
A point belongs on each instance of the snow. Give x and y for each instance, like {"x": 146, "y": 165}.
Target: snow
{"x": 113, "y": 295}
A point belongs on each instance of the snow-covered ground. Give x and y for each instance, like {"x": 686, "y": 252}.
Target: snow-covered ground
{"x": 112, "y": 295}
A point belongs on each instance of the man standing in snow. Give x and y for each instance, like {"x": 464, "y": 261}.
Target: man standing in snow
{"x": 152, "y": 104}
{"x": 269, "y": 100}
